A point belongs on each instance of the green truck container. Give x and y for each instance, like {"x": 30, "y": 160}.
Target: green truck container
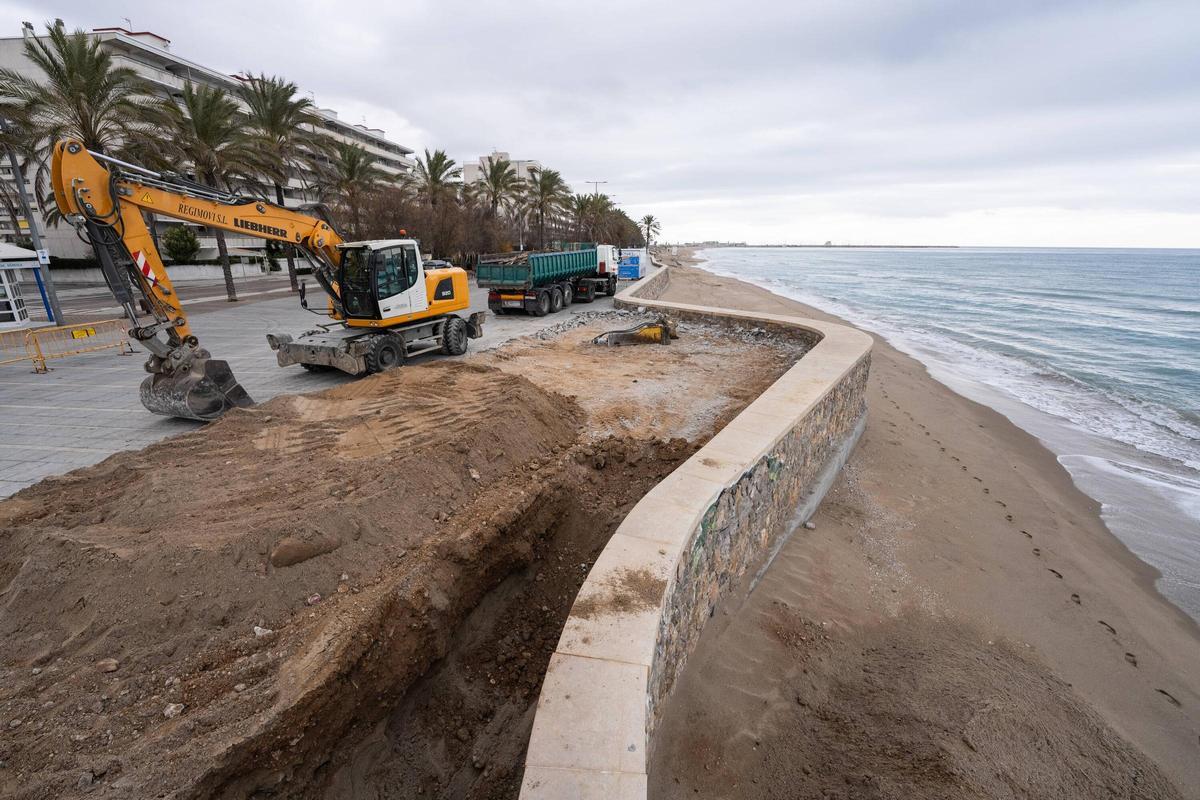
{"x": 542, "y": 283}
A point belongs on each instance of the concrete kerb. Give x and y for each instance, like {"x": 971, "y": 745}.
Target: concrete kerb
{"x": 689, "y": 540}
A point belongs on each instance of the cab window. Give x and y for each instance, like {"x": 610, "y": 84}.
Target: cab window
{"x": 410, "y": 264}
{"x": 396, "y": 271}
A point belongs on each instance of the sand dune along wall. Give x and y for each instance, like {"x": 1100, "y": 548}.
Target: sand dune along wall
{"x": 690, "y": 540}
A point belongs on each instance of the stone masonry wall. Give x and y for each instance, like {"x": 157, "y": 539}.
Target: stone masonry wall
{"x": 738, "y": 529}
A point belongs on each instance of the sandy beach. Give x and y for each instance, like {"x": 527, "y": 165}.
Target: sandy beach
{"x": 959, "y": 623}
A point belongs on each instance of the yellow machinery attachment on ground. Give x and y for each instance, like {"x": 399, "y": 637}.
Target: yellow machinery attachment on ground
{"x": 659, "y": 331}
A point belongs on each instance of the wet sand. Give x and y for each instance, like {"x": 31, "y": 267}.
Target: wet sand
{"x": 960, "y": 622}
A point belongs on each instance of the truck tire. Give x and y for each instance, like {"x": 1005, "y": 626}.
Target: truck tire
{"x": 386, "y": 352}
{"x": 556, "y": 300}
{"x": 612, "y": 285}
{"x": 568, "y": 294}
{"x": 541, "y": 306}
{"x": 454, "y": 337}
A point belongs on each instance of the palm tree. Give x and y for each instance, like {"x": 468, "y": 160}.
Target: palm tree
{"x": 651, "y": 227}
{"x": 499, "y": 183}
{"x": 546, "y": 195}
{"x": 285, "y": 126}
{"x": 83, "y": 96}
{"x": 353, "y": 174}
{"x": 435, "y": 176}
{"x": 209, "y": 132}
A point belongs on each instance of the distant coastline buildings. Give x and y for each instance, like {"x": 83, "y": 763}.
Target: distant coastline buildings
{"x": 150, "y": 55}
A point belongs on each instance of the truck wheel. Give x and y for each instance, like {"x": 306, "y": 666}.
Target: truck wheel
{"x": 386, "y": 352}
{"x": 541, "y": 306}
{"x": 454, "y": 337}
{"x": 556, "y": 300}
{"x": 612, "y": 286}
{"x": 568, "y": 294}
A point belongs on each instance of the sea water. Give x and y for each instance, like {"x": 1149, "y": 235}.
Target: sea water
{"x": 1094, "y": 351}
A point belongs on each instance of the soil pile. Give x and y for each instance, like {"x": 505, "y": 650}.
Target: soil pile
{"x": 169, "y": 603}
{"x": 350, "y": 593}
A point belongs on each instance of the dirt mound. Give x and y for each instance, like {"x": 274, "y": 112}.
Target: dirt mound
{"x": 206, "y": 590}
{"x": 350, "y": 593}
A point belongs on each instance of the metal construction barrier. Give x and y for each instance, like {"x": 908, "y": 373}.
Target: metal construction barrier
{"x": 42, "y": 344}
{"x": 12, "y": 347}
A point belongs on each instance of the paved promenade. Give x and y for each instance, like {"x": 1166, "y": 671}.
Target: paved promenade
{"x": 86, "y": 408}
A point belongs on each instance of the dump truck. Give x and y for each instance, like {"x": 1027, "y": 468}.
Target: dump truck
{"x": 543, "y": 283}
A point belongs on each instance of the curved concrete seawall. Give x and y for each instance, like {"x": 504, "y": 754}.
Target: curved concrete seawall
{"x": 692, "y": 538}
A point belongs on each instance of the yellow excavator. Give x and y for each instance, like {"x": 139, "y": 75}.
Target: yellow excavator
{"x": 384, "y": 305}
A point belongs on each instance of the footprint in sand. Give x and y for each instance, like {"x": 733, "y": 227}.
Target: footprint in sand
{"x": 1037, "y": 551}
{"x": 1108, "y": 627}
{"x": 1131, "y": 658}
{"x": 1002, "y": 504}
{"x": 1169, "y": 697}
{"x": 1075, "y": 599}
{"x": 964, "y": 468}
{"x": 1008, "y": 517}
{"x": 987, "y": 490}
{"x": 1028, "y": 535}
{"x": 1057, "y": 574}
{"x": 956, "y": 458}
{"x": 976, "y": 477}
{"x": 942, "y": 449}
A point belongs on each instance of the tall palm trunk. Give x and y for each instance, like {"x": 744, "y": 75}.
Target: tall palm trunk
{"x": 226, "y": 269}
{"x": 288, "y": 249}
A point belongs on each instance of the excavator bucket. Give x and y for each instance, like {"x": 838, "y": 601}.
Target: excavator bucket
{"x": 205, "y": 391}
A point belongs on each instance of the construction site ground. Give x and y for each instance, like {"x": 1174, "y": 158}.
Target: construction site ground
{"x": 349, "y": 593}
{"x": 86, "y": 408}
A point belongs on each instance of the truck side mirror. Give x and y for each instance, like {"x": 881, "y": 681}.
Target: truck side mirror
{"x": 303, "y": 299}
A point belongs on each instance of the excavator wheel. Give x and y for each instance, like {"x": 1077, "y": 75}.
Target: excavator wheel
{"x": 454, "y": 337}
{"x": 387, "y": 352}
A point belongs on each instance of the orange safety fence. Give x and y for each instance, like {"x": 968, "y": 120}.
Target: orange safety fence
{"x": 43, "y": 344}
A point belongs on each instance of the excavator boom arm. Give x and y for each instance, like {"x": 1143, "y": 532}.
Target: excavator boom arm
{"x": 106, "y": 197}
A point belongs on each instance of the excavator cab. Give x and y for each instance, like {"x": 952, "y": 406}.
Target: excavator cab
{"x": 382, "y": 280}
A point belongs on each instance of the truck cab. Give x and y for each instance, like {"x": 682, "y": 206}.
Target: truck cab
{"x": 608, "y": 259}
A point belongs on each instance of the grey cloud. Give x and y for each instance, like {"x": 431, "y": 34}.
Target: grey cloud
{"x": 867, "y": 108}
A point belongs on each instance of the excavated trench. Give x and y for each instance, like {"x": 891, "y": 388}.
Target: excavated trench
{"x": 441, "y": 700}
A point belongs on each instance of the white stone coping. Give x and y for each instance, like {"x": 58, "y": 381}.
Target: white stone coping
{"x": 590, "y": 732}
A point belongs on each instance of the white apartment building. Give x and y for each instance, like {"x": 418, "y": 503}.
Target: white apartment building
{"x": 473, "y": 170}
{"x": 151, "y": 57}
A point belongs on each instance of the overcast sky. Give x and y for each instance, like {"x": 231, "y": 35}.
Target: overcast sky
{"x": 975, "y": 122}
